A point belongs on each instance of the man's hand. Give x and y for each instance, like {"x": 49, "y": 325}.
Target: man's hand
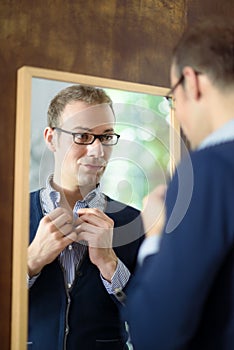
{"x": 97, "y": 229}
{"x": 54, "y": 233}
{"x": 153, "y": 213}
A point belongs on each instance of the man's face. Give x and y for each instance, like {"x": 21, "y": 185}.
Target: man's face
{"x": 178, "y": 97}
{"x": 82, "y": 165}
{"x": 192, "y": 104}
{"x": 183, "y": 111}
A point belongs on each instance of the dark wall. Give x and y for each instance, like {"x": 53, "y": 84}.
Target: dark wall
{"x": 121, "y": 39}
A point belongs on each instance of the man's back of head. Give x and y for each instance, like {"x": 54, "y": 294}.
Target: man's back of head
{"x": 208, "y": 47}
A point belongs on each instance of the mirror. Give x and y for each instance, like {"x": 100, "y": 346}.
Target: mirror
{"x": 149, "y": 148}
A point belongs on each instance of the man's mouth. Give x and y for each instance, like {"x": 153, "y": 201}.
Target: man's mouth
{"x": 92, "y": 164}
{"x": 93, "y": 167}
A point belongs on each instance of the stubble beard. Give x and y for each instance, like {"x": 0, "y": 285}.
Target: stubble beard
{"x": 87, "y": 181}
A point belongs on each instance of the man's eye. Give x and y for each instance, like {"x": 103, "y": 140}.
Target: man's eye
{"x": 83, "y": 138}
{"x": 107, "y": 137}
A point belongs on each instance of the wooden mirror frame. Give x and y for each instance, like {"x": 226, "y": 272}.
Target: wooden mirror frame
{"x": 21, "y": 183}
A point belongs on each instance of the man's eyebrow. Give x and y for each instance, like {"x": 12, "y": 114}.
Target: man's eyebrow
{"x": 109, "y": 130}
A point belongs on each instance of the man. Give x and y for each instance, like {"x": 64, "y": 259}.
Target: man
{"x": 183, "y": 296}
{"x": 83, "y": 245}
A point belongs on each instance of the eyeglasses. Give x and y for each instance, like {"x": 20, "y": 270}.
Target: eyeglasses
{"x": 88, "y": 139}
{"x": 172, "y": 90}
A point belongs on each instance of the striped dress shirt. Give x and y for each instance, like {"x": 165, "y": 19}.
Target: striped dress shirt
{"x": 71, "y": 257}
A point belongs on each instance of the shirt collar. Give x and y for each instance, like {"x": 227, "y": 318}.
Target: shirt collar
{"x": 223, "y": 134}
{"x": 51, "y": 198}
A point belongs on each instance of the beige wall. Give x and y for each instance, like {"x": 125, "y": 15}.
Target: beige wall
{"x": 127, "y": 40}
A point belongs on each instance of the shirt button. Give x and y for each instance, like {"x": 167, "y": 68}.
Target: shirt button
{"x": 69, "y": 285}
{"x": 70, "y": 247}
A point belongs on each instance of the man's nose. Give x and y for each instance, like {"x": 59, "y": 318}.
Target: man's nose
{"x": 95, "y": 149}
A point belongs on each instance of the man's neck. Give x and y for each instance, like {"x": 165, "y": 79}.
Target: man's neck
{"x": 70, "y": 195}
{"x": 220, "y": 135}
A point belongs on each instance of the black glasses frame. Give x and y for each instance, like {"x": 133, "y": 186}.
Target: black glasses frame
{"x": 169, "y": 96}
{"x": 94, "y": 137}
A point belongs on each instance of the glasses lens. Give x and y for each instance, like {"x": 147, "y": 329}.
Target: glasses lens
{"x": 83, "y": 139}
{"x": 110, "y": 139}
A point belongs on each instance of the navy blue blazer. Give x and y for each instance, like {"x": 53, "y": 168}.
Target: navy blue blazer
{"x": 185, "y": 293}
{"x": 91, "y": 313}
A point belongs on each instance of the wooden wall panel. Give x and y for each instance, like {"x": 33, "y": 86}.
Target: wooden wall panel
{"x": 197, "y": 9}
{"x": 120, "y": 39}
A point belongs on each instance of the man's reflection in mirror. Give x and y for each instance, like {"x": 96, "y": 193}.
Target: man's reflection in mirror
{"x": 78, "y": 263}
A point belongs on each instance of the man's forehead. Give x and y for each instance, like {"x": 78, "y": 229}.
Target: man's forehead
{"x": 173, "y": 74}
{"x": 86, "y": 116}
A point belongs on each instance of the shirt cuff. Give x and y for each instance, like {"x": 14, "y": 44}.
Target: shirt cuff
{"x": 149, "y": 246}
{"x": 119, "y": 278}
{"x": 31, "y": 280}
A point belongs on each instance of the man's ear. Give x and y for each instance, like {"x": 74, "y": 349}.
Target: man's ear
{"x": 48, "y": 136}
{"x": 192, "y": 84}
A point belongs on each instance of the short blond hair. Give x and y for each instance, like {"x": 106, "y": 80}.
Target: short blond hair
{"x": 88, "y": 94}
